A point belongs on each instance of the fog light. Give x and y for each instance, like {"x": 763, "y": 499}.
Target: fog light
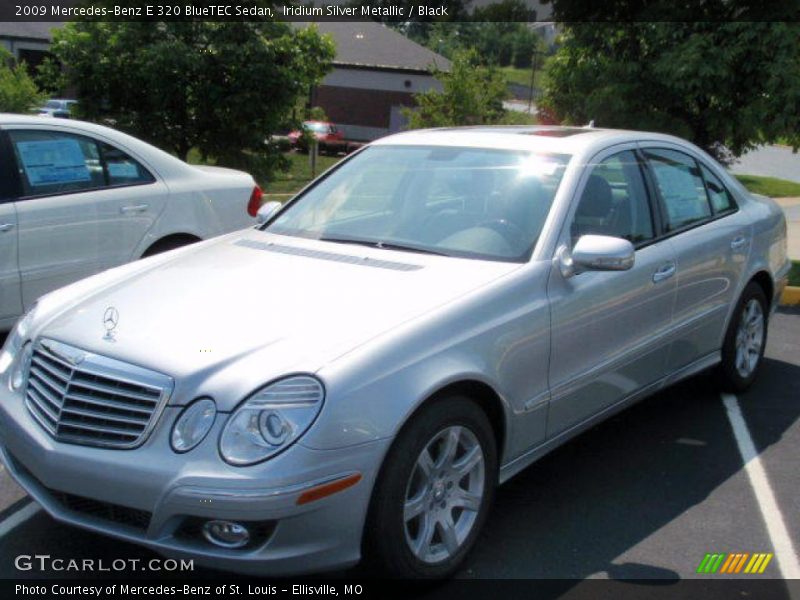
{"x": 226, "y": 534}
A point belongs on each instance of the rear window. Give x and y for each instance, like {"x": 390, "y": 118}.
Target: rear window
{"x": 681, "y": 187}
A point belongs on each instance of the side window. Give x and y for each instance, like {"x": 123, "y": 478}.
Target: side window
{"x": 681, "y": 186}
{"x": 720, "y": 197}
{"x": 614, "y": 201}
{"x": 122, "y": 169}
{"x": 51, "y": 162}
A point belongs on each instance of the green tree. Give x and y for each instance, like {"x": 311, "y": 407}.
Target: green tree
{"x": 220, "y": 87}
{"x": 18, "y": 92}
{"x": 722, "y": 85}
{"x": 51, "y": 78}
{"x": 499, "y": 32}
{"x": 472, "y": 94}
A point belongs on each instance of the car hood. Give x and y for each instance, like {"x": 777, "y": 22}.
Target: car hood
{"x": 285, "y": 304}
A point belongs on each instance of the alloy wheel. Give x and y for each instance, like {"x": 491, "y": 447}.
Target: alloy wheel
{"x": 749, "y": 338}
{"x": 444, "y": 494}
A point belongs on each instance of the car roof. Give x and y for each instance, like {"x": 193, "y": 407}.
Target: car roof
{"x": 17, "y": 119}
{"x": 535, "y": 138}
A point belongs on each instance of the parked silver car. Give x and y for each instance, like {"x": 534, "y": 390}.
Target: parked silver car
{"x": 359, "y": 372}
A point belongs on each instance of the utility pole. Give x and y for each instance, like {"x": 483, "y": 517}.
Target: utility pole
{"x": 533, "y": 77}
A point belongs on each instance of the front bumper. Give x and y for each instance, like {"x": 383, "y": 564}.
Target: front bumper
{"x": 155, "y": 497}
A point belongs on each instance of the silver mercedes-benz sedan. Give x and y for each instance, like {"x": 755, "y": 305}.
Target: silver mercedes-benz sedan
{"x": 356, "y": 374}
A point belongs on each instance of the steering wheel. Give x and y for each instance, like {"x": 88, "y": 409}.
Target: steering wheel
{"x": 511, "y": 232}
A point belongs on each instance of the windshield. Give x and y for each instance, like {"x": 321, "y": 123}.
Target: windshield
{"x": 467, "y": 202}
{"x": 53, "y": 104}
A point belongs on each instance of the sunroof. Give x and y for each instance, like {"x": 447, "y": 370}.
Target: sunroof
{"x": 559, "y": 133}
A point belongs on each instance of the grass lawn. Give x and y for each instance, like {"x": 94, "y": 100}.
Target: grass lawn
{"x": 523, "y": 76}
{"x": 794, "y": 274}
{"x": 770, "y": 186}
{"x": 286, "y": 184}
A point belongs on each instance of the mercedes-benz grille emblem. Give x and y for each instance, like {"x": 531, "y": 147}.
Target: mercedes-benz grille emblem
{"x": 110, "y": 320}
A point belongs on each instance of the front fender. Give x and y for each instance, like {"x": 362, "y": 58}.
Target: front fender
{"x": 498, "y": 337}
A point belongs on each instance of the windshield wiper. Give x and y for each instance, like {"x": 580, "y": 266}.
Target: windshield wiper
{"x": 381, "y": 245}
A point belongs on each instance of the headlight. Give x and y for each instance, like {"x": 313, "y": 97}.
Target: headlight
{"x": 193, "y": 424}
{"x": 271, "y": 420}
{"x": 11, "y": 349}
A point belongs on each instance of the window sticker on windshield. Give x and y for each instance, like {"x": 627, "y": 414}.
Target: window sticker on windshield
{"x": 125, "y": 170}
{"x": 53, "y": 161}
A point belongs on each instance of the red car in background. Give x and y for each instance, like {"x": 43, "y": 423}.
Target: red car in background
{"x": 329, "y": 137}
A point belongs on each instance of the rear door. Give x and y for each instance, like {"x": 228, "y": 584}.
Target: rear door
{"x": 711, "y": 238}
{"x": 84, "y": 205}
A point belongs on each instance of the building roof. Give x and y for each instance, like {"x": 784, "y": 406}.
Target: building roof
{"x": 28, "y": 30}
{"x": 364, "y": 44}
{"x": 367, "y": 44}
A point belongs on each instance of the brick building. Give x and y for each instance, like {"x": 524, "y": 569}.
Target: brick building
{"x": 376, "y": 73}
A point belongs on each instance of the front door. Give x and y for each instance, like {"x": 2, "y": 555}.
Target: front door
{"x": 10, "y": 294}
{"x": 609, "y": 329}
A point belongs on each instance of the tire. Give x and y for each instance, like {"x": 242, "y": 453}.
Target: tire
{"x": 745, "y": 340}
{"x": 402, "y": 483}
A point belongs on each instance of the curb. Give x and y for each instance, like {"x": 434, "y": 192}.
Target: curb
{"x": 790, "y": 296}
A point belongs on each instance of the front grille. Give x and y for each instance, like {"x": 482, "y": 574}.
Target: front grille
{"x": 122, "y": 515}
{"x": 84, "y": 398}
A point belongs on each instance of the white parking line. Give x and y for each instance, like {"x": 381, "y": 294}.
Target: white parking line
{"x": 785, "y": 554}
{"x": 18, "y": 517}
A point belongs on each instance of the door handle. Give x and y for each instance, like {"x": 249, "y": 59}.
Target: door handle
{"x": 664, "y": 272}
{"x": 136, "y": 208}
{"x": 738, "y": 242}
{"x": 6, "y": 227}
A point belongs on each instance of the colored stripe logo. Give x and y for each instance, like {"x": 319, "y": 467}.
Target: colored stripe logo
{"x": 735, "y": 562}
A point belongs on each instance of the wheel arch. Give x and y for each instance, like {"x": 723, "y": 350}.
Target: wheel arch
{"x": 760, "y": 275}
{"x": 484, "y": 395}
{"x": 764, "y": 279}
{"x": 170, "y": 241}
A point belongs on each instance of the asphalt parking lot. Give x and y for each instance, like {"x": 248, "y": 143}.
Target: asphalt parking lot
{"x": 643, "y": 496}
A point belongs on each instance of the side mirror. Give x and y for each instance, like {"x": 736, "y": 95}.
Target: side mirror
{"x": 266, "y": 211}
{"x": 597, "y": 253}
